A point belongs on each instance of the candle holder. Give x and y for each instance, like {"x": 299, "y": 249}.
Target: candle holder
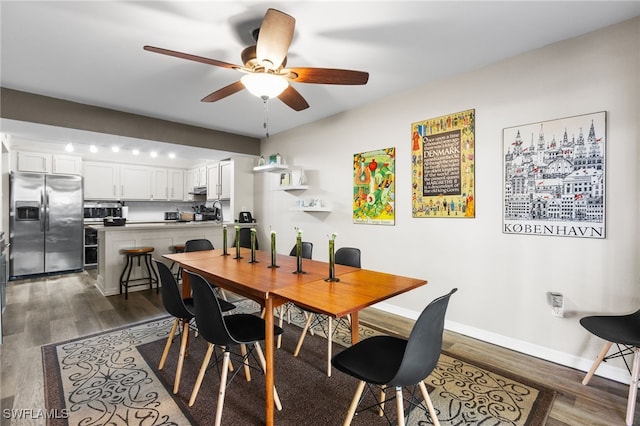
{"x": 273, "y": 250}
{"x": 224, "y": 241}
{"x": 332, "y": 260}
{"x": 299, "y": 253}
{"x": 253, "y": 246}
{"x": 237, "y": 228}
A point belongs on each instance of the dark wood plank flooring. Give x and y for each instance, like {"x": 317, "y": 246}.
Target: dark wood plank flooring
{"x": 48, "y": 310}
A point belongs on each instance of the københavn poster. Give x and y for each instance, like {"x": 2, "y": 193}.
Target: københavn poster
{"x": 443, "y": 166}
{"x": 374, "y": 187}
{"x": 554, "y": 177}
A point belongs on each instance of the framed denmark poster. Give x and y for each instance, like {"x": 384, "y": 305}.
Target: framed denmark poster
{"x": 374, "y": 187}
{"x": 443, "y": 166}
{"x": 554, "y": 177}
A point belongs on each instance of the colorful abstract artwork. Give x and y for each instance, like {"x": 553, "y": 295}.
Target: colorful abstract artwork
{"x": 443, "y": 166}
{"x": 374, "y": 187}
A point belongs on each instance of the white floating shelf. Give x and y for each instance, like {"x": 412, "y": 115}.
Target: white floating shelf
{"x": 272, "y": 168}
{"x": 292, "y": 187}
{"x": 310, "y": 209}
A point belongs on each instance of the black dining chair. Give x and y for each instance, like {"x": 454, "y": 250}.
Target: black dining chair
{"x": 307, "y": 250}
{"x": 183, "y": 312}
{"x": 385, "y": 361}
{"x": 349, "y": 256}
{"x": 198, "y": 244}
{"x": 226, "y": 331}
{"x": 245, "y": 238}
{"x": 624, "y": 331}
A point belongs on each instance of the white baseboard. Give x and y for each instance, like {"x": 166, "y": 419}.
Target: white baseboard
{"x": 604, "y": 370}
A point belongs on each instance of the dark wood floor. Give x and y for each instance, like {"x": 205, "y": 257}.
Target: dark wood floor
{"x": 43, "y": 311}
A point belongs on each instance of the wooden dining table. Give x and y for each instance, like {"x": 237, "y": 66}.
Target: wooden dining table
{"x": 353, "y": 290}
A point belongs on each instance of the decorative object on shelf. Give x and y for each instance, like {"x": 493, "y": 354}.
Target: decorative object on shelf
{"x": 275, "y": 159}
{"x": 298, "y": 252}
{"x": 443, "y": 166}
{"x": 224, "y": 240}
{"x": 332, "y": 259}
{"x": 374, "y": 187}
{"x": 261, "y": 161}
{"x": 253, "y": 246}
{"x": 555, "y": 186}
{"x": 273, "y": 250}
{"x": 237, "y": 228}
{"x": 285, "y": 179}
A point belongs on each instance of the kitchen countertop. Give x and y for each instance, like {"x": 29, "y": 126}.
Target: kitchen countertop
{"x": 164, "y": 225}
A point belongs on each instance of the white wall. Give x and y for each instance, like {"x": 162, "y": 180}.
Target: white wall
{"x": 503, "y": 279}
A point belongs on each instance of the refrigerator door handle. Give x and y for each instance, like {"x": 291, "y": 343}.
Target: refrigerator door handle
{"x": 42, "y": 211}
{"x": 46, "y": 208}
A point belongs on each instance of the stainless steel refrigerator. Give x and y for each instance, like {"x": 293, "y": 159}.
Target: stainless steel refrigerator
{"x": 46, "y": 224}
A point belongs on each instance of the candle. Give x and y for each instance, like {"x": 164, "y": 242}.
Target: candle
{"x": 253, "y": 245}
{"x": 332, "y": 258}
{"x": 273, "y": 248}
{"x": 224, "y": 239}
{"x": 237, "y": 228}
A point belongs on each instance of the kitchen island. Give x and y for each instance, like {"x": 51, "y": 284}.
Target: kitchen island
{"x": 162, "y": 236}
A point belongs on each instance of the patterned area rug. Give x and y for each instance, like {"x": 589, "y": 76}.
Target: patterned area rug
{"x": 112, "y": 378}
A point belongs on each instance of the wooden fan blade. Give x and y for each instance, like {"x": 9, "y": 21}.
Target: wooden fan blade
{"x": 293, "y": 99}
{"x": 190, "y": 57}
{"x": 224, "y": 92}
{"x": 328, "y": 76}
{"x": 274, "y": 38}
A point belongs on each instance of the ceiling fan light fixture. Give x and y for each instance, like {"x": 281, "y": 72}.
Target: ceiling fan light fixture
{"x": 264, "y": 85}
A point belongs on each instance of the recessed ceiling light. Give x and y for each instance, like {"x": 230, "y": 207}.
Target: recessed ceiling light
{"x": 135, "y": 151}
{"x": 93, "y": 149}
{"x": 153, "y": 154}
{"x": 172, "y": 155}
{"x": 115, "y": 148}
{"x": 69, "y": 147}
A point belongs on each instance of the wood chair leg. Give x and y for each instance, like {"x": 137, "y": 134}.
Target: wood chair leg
{"x": 281, "y": 310}
{"x": 245, "y": 363}
{"x": 597, "y": 362}
{"x": 633, "y": 387}
{"x": 329, "y": 341}
{"x": 383, "y": 398}
{"x": 223, "y": 387}
{"x": 427, "y": 400}
{"x": 183, "y": 350}
{"x": 172, "y": 333}
{"x": 400, "y": 406}
{"x": 203, "y": 369}
{"x": 304, "y": 333}
{"x": 263, "y": 364}
{"x": 354, "y": 403}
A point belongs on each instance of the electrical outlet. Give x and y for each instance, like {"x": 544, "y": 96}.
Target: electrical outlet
{"x": 557, "y": 304}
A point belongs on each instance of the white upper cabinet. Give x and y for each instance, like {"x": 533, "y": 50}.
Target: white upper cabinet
{"x": 176, "y": 189}
{"x": 41, "y": 162}
{"x": 159, "y": 185}
{"x": 135, "y": 183}
{"x": 101, "y": 181}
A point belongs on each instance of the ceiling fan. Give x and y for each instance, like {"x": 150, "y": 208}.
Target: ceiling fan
{"x": 264, "y": 66}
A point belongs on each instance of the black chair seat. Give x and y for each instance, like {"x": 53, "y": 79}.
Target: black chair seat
{"x": 365, "y": 362}
{"x": 622, "y": 329}
{"x": 247, "y": 328}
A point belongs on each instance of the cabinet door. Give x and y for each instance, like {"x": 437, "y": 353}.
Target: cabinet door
{"x": 101, "y": 181}
{"x": 159, "y": 184}
{"x": 66, "y": 164}
{"x": 226, "y": 169}
{"x": 33, "y": 162}
{"x": 135, "y": 183}
{"x": 176, "y": 184}
{"x": 213, "y": 182}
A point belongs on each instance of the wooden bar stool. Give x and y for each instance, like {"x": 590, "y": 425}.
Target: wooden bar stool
{"x": 140, "y": 253}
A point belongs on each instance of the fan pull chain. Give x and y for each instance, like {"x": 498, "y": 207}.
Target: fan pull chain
{"x": 266, "y": 115}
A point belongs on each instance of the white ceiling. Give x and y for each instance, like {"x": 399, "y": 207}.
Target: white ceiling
{"x": 91, "y": 51}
